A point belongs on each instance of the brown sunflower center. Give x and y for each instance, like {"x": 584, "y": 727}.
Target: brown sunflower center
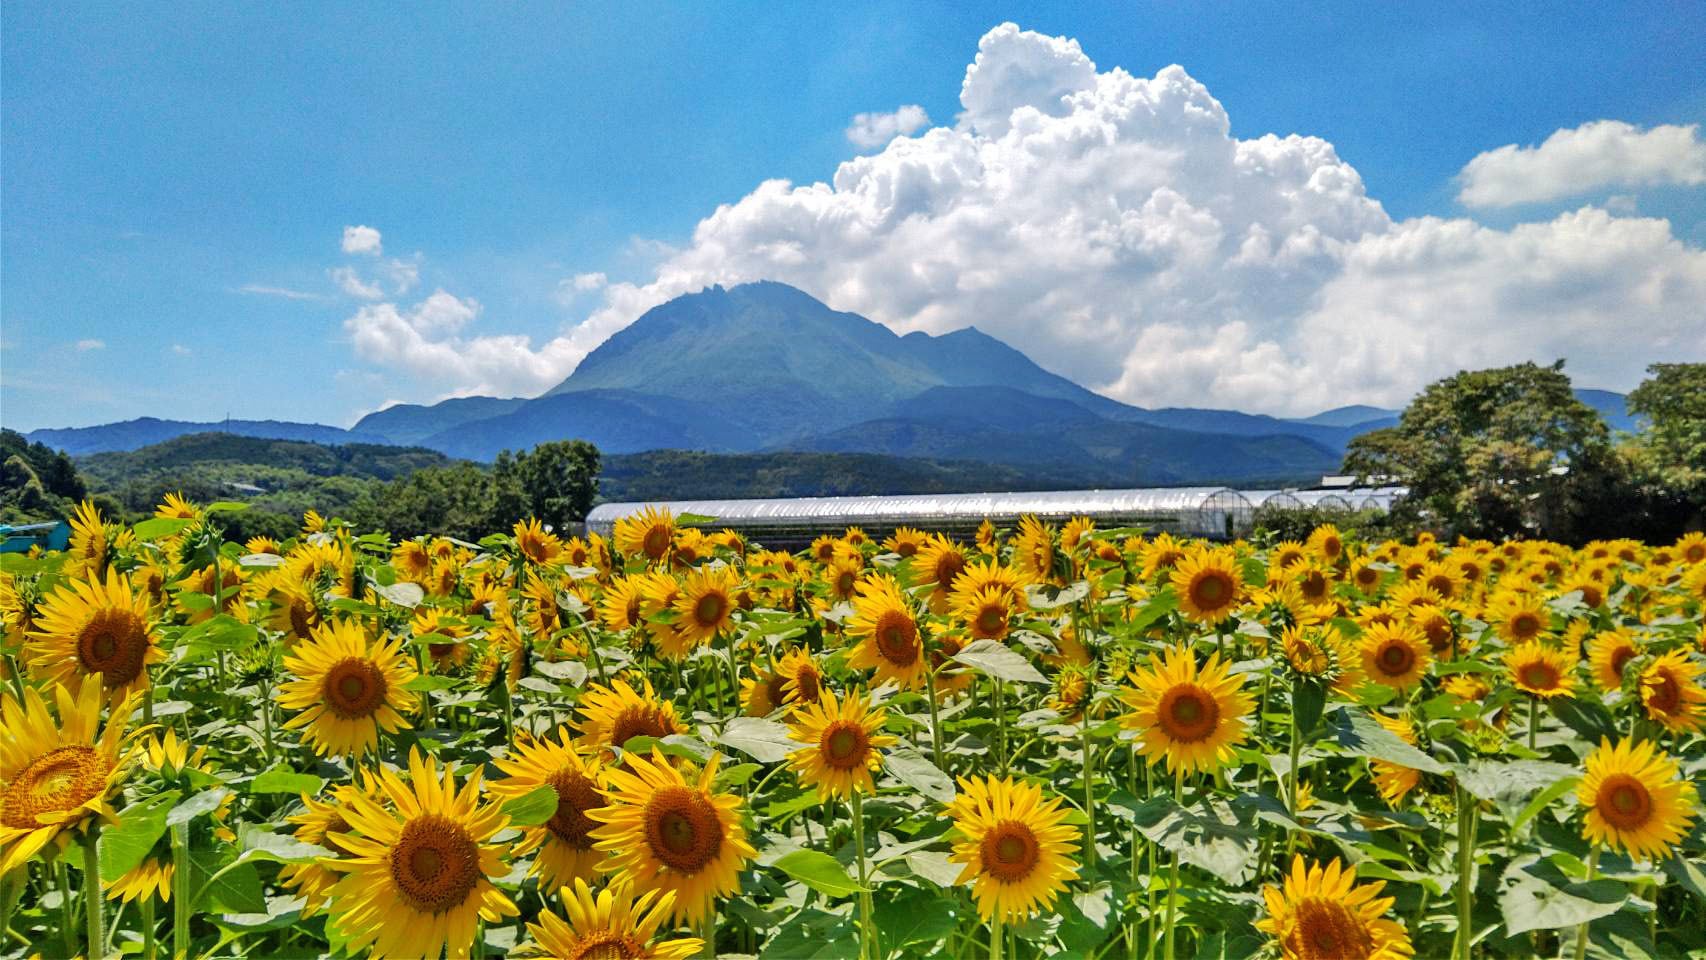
{"x": 1663, "y": 694}
{"x": 897, "y": 638}
{"x": 1331, "y": 546}
{"x": 905, "y": 548}
{"x": 1211, "y": 589}
{"x": 1396, "y": 659}
{"x": 1525, "y": 626}
{"x": 302, "y": 618}
{"x": 1591, "y": 595}
{"x": 710, "y": 609}
{"x": 683, "y": 829}
{"x": 1442, "y": 585}
{"x": 655, "y": 542}
{"x": 638, "y": 721}
{"x": 948, "y": 569}
{"x": 1314, "y": 585}
{"x": 1624, "y": 802}
{"x": 1009, "y": 851}
{"x": 844, "y": 745}
{"x": 991, "y": 620}
{"x": 576, "y": 794}
{"x": 58, "y": 781}
{"x": 434, "y": 863}
{"x": 114, "y": 643}
{"x": 1327, "y": 928}
{"x": 608, "y": 945}
{"x": 806, "y": 684}
{"x": 354, "y": 688}
{"x": 1188, "y": 713}
{"x": 1367, "y": 576}
{"x": 1619, "y": 659}
{"x": 844, "y": 582}
{"x": 1539, "y": 676}
{"x": 1694, "y": 552}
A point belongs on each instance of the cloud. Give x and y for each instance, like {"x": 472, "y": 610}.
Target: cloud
{"x": 84, "y": 346}
{"x": 1583, "y": 160}
{"x": 584, "y": 282}
{"x": 179, "y": 350}
{"x": 428, "y": 341}
{"x": 403, "y": 274}
{"x": 871, "y": 130}
{"x": 352, "y": 284}
{"x": 262, "y": 290}
{"x": 362, "y": 240}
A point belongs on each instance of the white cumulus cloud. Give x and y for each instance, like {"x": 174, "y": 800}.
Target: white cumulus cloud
{"x": 428, "y": 340}
{"x": 351, "y": 283}
{"x": 1582, "y": 160}
{"x": 362, "y": 240}
{"x": 871, "y": 130}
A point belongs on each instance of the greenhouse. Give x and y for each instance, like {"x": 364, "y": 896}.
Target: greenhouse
{"x": 1217, "y": 512}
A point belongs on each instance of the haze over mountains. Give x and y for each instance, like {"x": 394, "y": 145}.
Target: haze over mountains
{"x": 764, "y": 367}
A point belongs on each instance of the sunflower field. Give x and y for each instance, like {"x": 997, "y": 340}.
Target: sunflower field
{"x": 1044, "y": 742}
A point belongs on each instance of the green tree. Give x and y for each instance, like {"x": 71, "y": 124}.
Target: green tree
{"x": 1672, "y": 446}
{"x": 1495, "y": 453}
{"x": 555, "y": 481}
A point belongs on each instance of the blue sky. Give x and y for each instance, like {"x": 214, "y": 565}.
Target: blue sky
{"x": 177, "y": 177}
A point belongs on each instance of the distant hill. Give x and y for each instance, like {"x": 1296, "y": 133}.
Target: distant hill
{"x": 679, "y": 474}
{"x": 1613, "y": 407}
{"x": 409, "y": 423}
{"x": 199, "y": 452}
{"x": 1351, "y": 416}
{"x": 143, "y": 431}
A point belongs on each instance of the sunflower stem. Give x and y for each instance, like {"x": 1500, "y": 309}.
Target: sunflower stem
{"x": 1582, "y": 930}
{"x": 1173, "y": 877}
{"x": 997, "y": 937}
{"x": 1089, "y": 794}
{"x": 1465, "y": 873}
{"x": 935, "y": 717}
{"x": 867, "y": 938}
{"x": 1533, "y": 719}
{"x": 8, "y": 899}
{"x": 1000, "y": 724}
{"x": 96, "y": 928}
{"x": 148, "y": 945}
{"x": 180, "y": 891}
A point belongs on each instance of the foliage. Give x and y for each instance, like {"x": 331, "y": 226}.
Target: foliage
{"x": 1672, "y": 448}
{"x": 36, "y": 483}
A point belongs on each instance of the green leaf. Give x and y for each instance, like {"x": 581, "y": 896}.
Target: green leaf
{"x": 763, "y": 740}
{"x": 260, "y": 560}
{"x": 261, "y": 844}
{"x": 404, "y": 594}
{"x": 1308, "y": 699}
{"x": 693, "y": 519}
{"x": 281, "y": 779}
{"x": 1544, "y": 799}
{"x": 1589, "y": 719}
{"x": 996, "y": 660}
{"x": 206, "y": 801}
{"x": 1158, "y": 606}
{"x": 1508, "y": 785}
{"x": 917, "y": 917}
{"x": 226, "y": 506}
{"x": 812, "y": 934}
{"x": 820, "y": 871}
{"x": 221, "y": 632}
{"x": 159, "y": 528}
{"x": 532, "y": 808}
{"x": 1359, "y": 733}
{"x": 426, "y": 682}
{"x": 1682, "y": 868}
{"x": 237, "y": 890}
{"x": 1209, "y": 837}
{"x": 736, "y": 775}
{"x": 1538, "y": 896}
{"x": 916, "y": 771}
{"x": 539, "y": 685}
{"x": 567, "y": 671}
{"x": 125, "y": 846}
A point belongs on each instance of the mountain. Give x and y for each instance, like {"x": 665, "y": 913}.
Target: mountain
{"x": 144, "y": 431}
{"x": 1351, "y": 416}
{"x": 1613, "y": 407}
{"x": 408, "y": 423}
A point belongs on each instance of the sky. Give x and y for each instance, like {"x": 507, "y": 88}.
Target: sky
{"x": 308, "y": 213}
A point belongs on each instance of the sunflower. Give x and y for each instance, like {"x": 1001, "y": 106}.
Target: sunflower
{"x": 1635, "y": 799}
{"x": 1592, "y": 591}
{"x": 842, "y": 574}
{"x": 888, "y": 635}
{"x": 412, "y": 561}
{"x": 1691, "y": 547}
{"x": 418, "y": 878}
{"x": 1161, "y": 554}
{"x": 1541, "y": 671}
{"x": 1208, "y": 585}
{"x": 175, "y": 507}
{"x": 1671, "y": 692}
{"x": 1285, "y": 553}
{"x": 1323, "y": 914}
{"x": 1366, "y": 576}
{"x": 1395, "y": 654}
{"x": 1074, "y": 532}
{"x": 988, "y": 614}
{"x": 706, "y": 605}
{"x": 611, "y": 716}
{"x": 1326, "y": 543}
{"x": 319, "y": 823}
{"x": 1313, "y": 580}
{"x": 1017, "y": 848}
{"x": 564, "y": 842}
{"x": 663, "y": 833}
{"x": 200, "y": 582}
{"x": 1519, "y": 617}
{"x": 57, "y": 774}
{"x": 843, "y": 743}
{"x": 938, "y": 564}
{"x": 761, "y": 695}
{"x": 348, "y": 687}
{"x": 294, "y": 612}
{"x": 986, "y": 539}
{"x": 1190, "y": 716}
{"x": 1608, "y": 653}
{"x": 802, "y": 678}
{"x": 614, "y": 924}
{"x": 90, "y": 541}
{"x": 168, "y": 762}
{"x": 905, "y": 541}
{"x": 979, "y": 575}
{"x": 450, "y": 649}
{"x": 1033, "y": 550}
{"x": 95, "y": 628}
{"x": 1394, "y": 780}
{"x": 647, "y": 534}
{"x": 620, "y": 606}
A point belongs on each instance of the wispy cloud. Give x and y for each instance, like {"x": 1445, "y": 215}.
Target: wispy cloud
{"x": 362, "y": 240}
{"x": 263, "y": 290}
{"x": 84, "y": 346}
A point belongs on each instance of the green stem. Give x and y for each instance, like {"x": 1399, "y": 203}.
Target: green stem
{"x": 1173, "y": 877}
{"x": 1533, "y": 719}
{"x": 935, "y": 718}
{"x": 1089, "y": 794}
{"x": 1465, "y": 873}
{"x": 93, "y": 900}
{"x": 1582, "y": 931}
{"x": 997, "y": 933}
{"x": 1000, "y": 724}
{"x": 867, "y": 932}
{"x": 180, "y": 891}
{"x": 67, "y": 920}
{"x": 148, "y": 946}
{"x": 1296, "y": 757}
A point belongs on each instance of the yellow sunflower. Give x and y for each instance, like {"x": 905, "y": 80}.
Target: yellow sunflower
{"x": 169, "y": 762}
{"x": 319, "y": 823}
{"x": 1635, "y": 799}
{"x": 614, "y": 925}
{"x": 1691, "y": 547}
{"x": 611, "y": 716}
{"x": 706, "y": 604}
{"x": 1017, "y": 847}
{"x": 1208, "y": 585}
{"x": 95, "y": 628}
{"x": 1321, "y": 913}
{"x": 1608, "y": 653}
{"x": 843, "y": 743}
{"x": 1541, "y": 671}
{"x": 1395, "y": 654}
{"x": 1326, "y": 543}
{"x": 647, "y": 534}
{"x": 1519, "y": 617}
{"x": 294, "y": 612}
{"x": 802, "y": 678}
{"x": 1285, "y": 553}
{"x": 905, "y": 541}
{"x": 348, "y": 687}
{"x": 57, "y": 774}
{"x": 1033, "y": 550}
{"x": 938, "y": 564}
{"x": 175, "y": 507}
{"x": 663, "y": 833}
{"x": 762, "y": 695}
{"x": 887, "y": 632}
{"x": 418, "y": 878}
{"x": 1671, "y": 692}
{"x": 536, "y": 543}
{"x": 564, "y": 842}
{"x": 412, "y": 561}
{"x": 90, "y": 541}
{"x": 1393, "y": 780}
{"x": 988, "y": 614}
{"x": 1190, "y": 717}
{"x": 621, "y": 604}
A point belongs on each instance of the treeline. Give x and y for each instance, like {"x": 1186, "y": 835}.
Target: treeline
{"x": 36, "y": 481}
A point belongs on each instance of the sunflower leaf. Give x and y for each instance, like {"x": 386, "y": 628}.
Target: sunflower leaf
{"x": 532, "y": 808}
{"x": 140, "y": 825}
{"x": 1359, "y": 733}
{"x": 913, "y": 769}
{"x": 206, "y": 801}
{"x": 158, "y": 528}
{"x": 1539, "y": 896}
{"x": 427, "y": 682}
{"x": 403, "y": 594}
{"x": 996, "y": 659}
{"x": 763, "y": 740}
{"x": 1158, "y": 606}
{"x": 262, "y": 844}
{"x": 820, "y": 871}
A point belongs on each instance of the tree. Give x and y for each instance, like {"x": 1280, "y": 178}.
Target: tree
{"x": 1673, "y": 446}
{"x": 555, "y": 481}
{"x": 1494, "y": 453}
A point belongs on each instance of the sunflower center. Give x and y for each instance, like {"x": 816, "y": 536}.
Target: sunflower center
{"x": 354, "y": 688}
{"x": 845, "y": 582}
{"x": 948, "y": 569}
{"x": 301, "y": 618}
{"x": 1328, "y": 929}
{"x": 1314, "y": 585}
{"x": 655, "y": 542}
{"x": 897, "y": 638}
{"x": 1009, "y": 851}
{"x": 991, "y": 620}
{"x": 1525, "y": 625}
{"x": 1188, "y": 713}
{"x": 114, "y": 644}
{"x": 806, "y": 685}
{"x": 1620, "y": 659}
{"x": 58, "y": 781}
{"x": 1211, "y": 590}
{"x": 641, "y": 721}
{"x": 1663, "y": 694}
{"x": 1540, "y": 676}
{"x": 1396, "y": 659}
{"x": 1624, "y": 802}
{"x": 844, "y": 746}
{"x": 434, "y": 863}
{"x": 905, "y": 548}
{"x": 576, "y": 794}
{"x": 709, "y": 610}
{"x": 608, "y": 945}
{"x": 683, "y": 829}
